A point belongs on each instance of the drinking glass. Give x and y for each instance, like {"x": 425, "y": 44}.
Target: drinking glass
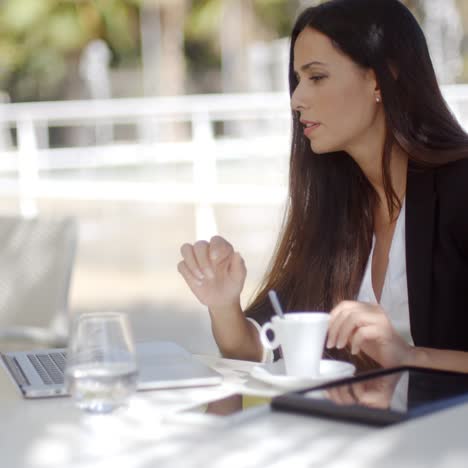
{"x": 101, "y": 371}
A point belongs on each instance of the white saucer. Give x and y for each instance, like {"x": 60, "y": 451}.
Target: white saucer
{"x": 274, "y": 374}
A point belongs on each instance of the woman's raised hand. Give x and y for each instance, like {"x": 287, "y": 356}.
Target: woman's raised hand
{"x": 214, "y": 272}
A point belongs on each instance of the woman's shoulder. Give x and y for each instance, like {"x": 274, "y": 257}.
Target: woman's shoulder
{"x": 452, "y": 178}
{"x": 455, "y": 166}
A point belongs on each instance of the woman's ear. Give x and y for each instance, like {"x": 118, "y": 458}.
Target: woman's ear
{"x": 373, "y": 83}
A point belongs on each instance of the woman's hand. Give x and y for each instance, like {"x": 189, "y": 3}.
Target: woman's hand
{"x": 365, "y": 327}
{"x": 216, "y": 275}
{"x": 214, "y": 272}
{"x": 374, "y": 393}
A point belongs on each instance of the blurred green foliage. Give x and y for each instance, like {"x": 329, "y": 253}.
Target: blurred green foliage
{"x": 202, "y": 27}
{"x": 201, "y": 34}
{"x": 278, "y": 15}
{"x": 40, "y": 38}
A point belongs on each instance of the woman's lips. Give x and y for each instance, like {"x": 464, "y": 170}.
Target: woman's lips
{"x": 310, "y": 127}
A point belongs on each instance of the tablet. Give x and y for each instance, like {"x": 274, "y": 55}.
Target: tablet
{"x": 381, "y": 397}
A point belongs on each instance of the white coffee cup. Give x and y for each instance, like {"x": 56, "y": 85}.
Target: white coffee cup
{"x": 301, "y": 336}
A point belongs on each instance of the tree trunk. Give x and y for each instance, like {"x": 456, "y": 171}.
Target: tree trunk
{"x": 162, "y": 33}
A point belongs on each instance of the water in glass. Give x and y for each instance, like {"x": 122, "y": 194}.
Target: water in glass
{"x": 101, "y": 371}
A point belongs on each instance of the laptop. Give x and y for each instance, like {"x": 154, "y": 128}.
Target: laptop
{"x": 161, "y": 364}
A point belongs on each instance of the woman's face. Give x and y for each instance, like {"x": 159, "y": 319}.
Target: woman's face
{"x": 336, "y": 99}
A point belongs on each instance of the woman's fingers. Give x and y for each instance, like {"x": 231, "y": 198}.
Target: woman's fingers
{"x": 203, "y": 258}
{"x": 359, "y": 391}
{"x": 334, "y": 395}
{"x": 213, "y": 271}
{"x": 188, "y": 276}
{"x": 335, "y": 328}
{"x": 342, "y": 395}
{"x": 213, "y": 265}
{"x": 237, "y": 268}
{"x": 191, "y": 262}
{"x": 346, "y": 319}
{"x": 345, "y": 332}
{"x": 365, "y": 327}
{"x": 338, "y": 316}
{"x": 354, "y": 321}
{"x": 363, "y": 334}
{"x": 219, "y": 249}
{"x": 201, "y": 252}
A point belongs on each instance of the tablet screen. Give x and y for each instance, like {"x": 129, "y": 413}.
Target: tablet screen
{"x": 402, "y": 392}
{"x": 381, "y": 398}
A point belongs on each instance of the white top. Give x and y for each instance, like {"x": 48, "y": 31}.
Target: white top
{"x": 394, "y": 298}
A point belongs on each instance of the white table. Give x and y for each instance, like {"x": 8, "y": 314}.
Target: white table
{"x": 52, "y": 433}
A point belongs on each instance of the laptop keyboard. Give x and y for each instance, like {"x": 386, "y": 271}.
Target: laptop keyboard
{"x": 50, "y": 366}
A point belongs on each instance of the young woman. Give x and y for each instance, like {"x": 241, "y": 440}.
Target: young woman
{"x": 376, "y": 230}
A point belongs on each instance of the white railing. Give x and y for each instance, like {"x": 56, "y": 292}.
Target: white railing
{"x": 34, "y": 166}
{"x": 261, "y": 122}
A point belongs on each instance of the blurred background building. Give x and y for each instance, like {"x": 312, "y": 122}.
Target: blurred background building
{"x": 157, "y": 122}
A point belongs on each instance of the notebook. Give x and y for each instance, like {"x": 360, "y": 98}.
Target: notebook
{"x": 161, "y": 364}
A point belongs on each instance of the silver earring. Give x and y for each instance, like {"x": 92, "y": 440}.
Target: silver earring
{"x": 377, "y": 98}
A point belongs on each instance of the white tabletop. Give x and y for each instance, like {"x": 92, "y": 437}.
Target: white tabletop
{"x": 52, "y": 433}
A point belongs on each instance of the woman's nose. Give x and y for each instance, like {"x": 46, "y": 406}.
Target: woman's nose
{"x": 297, "y": 101}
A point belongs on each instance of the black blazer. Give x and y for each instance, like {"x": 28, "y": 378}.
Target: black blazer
{"x": 436, "y": 257}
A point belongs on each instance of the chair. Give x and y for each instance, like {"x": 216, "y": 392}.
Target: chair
{"x": 36, "y": 263}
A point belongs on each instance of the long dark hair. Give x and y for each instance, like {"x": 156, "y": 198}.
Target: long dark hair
{"x": 327, "y": 232}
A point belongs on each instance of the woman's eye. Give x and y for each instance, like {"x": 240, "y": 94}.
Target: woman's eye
{"x": 317, "y": 78}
